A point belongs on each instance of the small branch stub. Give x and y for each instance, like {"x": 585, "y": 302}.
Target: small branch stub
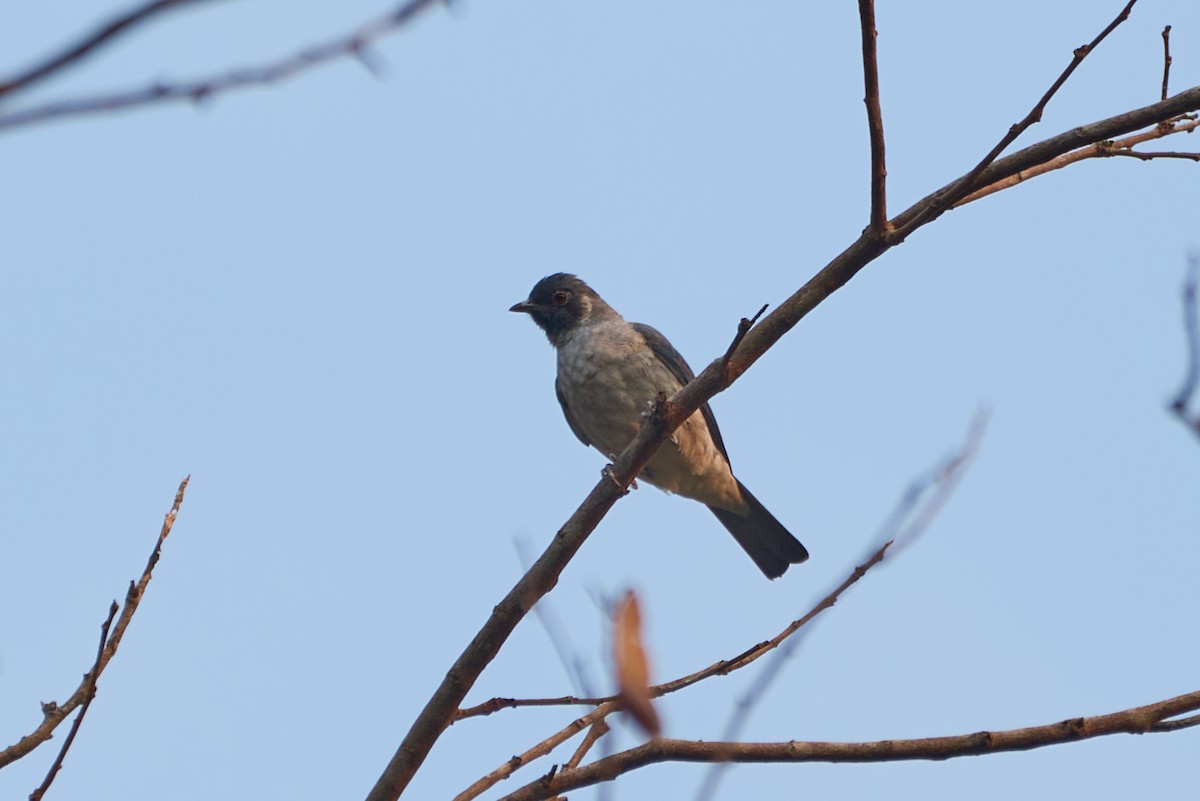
{"x": 1166, "y": 37}
{"x": 744, "y": 326}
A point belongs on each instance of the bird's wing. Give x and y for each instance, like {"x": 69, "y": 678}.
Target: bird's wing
{"x": 575, "y": 429}
{"x": 678, "y": 366}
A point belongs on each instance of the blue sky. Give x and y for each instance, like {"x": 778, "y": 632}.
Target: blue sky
{"x": 299, "y": 297}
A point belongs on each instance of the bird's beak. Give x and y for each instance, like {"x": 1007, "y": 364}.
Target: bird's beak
{"x": 524, "y": 306}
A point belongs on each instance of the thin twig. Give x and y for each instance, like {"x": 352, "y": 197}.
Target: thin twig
{"x": 442, "y": 706}
{"x": 351, "y": 44}
{"x": 494, "y": 705}
{"x": 609, "y": 705}
{"x": 91, "y": 677}
{"x": 935, "y": 489}
{"x": 1103, "y": 149}
{"x": 1180, "y": 406}
{"x": 878, "y": 219}
{"x": 1177, "y": 724}
{"x": 54, "y": 714}
{"x": 536, "y": 752}
{"x": 598, "y": 730}
{"x": 744, "y": 326}
{"x": 1152, "y": 155}
{"x": 572, "y": 663}
{"x": 1138, "y": 720}
{"x": 943, "y": 483}
{"x": 85, "y": 46}
{"x": 1166, "y": 37}
{"x": 968, "y": 183}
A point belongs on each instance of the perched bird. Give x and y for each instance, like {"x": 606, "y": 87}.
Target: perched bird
{"x": 609, "y": 374}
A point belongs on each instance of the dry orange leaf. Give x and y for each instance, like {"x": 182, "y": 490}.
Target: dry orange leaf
{"x": 633, "y": 670}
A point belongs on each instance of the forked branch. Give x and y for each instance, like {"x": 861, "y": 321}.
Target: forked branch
{"x": 912, "y": 516}
{"x": 442, "y": 707}
{"x": 91, "y": 677}
{"x": 88, "y": 44}
{"x": 54, "y": 714}
{"x": 353, "y": 44}
{"x": 1139, "y": 720}
{"x": 971, "y": 181}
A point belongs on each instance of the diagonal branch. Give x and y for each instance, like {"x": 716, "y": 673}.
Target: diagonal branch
{"x": 54, "y": 714}
{"x": 354, "y": 44}
{"x": 970, "y": 181}
{"x": 85, "y": 46}
{"x": 878, "y": 222}
{"x": 1103, "y": 149}
{"x": 440, "y": 710}
{"x": 593, "y": 721}
{"x": 92, "y": 675}
{"x": 607, "y": 706}
{"x": 1138, "y": 720}
{"x": 834, "y": 275}
{"x": 912, "y": 518}
{"x": 598, "y": 730}
{"x": 917, "y": 508}
{"x": 942, "y": 481}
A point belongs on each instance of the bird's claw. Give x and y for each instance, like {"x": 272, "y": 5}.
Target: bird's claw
{"x": 608, "y": 471}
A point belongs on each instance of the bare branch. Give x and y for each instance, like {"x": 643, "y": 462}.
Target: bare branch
{"x": 1139, "y": 720}
{"x": 598, "y": 730}
{"x": 970, "y": 181}
{"x": 935, "y": 489}
{"x": 543, "y": 748}
{"x": 572, "y": 663}
{"x": 878, "y": 221}
{"x": 1154, "y": 154}
{"x": 834, "y": 275}
{"x": 439, "y": 712}
{"x": 88, "y": 44}
{"x": 494, "y": 705}
{"x": 1166, "y": 37}
{"x": 442, "y": 707}
{"x": 1177, "y": 724}
{"x": 941, "y": 481}
{"x": 606, "y": 706}
{"x": 351, "y": 44}
{"x": 1103, "y": 149}
{"x": 720, "y": 668}
{"x": 92, "y": 675}
{"x": 744, "y": 326}
{"x": 54, "y": 714}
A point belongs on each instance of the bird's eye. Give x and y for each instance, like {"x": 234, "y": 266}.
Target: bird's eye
{"x": 560, "y": 297}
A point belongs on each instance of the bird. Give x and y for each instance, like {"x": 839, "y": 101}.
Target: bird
{"x": 610, "y": 373}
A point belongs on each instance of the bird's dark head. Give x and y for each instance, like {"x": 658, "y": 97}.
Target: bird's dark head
{"x": 561, "y": 302}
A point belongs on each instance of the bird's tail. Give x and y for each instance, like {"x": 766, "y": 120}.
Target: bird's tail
{"x": 770, "y": 545}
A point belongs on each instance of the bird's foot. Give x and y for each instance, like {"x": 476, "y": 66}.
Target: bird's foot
{"x": 608, "y": 471}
